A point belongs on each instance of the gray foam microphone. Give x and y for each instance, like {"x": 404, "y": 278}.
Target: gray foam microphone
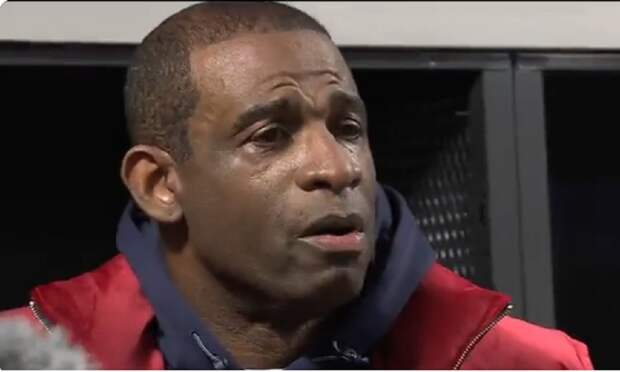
{"x": 23, "y": 347}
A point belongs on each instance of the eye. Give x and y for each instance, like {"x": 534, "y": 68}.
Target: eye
{"x": 350, "y": 129}
{"x": 270, "y": 135}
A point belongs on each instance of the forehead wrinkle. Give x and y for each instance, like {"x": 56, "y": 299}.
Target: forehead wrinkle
{"x": 321, "y": 103}
{"x": 310, "y": 101}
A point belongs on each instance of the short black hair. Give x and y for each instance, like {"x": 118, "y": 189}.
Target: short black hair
{"x": 160, "y": 92}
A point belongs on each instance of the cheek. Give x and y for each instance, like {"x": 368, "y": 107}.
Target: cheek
{"x": 367, "y": 161}
{"x": 369, "y": 177}
{"x": 274, "y": 204}
{"x": 236, "y": 196}
{"x": 369, "y": 182}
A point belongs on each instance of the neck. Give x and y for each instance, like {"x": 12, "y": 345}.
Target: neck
{"x": 260, "y": 336}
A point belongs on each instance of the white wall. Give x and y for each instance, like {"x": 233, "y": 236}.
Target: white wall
{"x": 423, "y": 24}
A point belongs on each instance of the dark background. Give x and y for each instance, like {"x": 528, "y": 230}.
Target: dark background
{"x": 582, "y": 115}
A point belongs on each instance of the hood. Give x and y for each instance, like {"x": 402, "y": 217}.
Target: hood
{"x": 403, "y": 257}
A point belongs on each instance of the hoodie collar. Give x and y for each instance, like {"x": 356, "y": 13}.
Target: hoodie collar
{"x": 403, "y": 256}
{"x": 180, "y": 334}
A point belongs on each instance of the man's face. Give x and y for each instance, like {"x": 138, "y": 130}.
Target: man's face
{"x": 279, "y": 193}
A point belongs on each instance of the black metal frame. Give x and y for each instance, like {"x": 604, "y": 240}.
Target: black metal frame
{"x": 498, "y": 99}
{"x": 424, "y": 59}
{"x": 535, "y": 222}
{"x": 603, "y": 61}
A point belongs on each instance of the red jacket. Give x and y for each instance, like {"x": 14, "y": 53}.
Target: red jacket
{"x": 448, "y": 323}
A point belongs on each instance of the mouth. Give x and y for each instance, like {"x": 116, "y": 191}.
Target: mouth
{"x": 334, "y": 233}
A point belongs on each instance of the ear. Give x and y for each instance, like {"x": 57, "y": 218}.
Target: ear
{"x": 151, "y": 176}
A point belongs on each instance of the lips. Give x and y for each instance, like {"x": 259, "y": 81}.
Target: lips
{"x": 334, "y": 233}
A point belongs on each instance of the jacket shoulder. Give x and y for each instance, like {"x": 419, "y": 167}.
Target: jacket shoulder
{"x": 104, "y": 311}
{"x": 516, "y": 344}
{"x": 442, "y": 316}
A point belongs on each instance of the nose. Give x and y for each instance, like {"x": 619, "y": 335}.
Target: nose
{"x": 327, "y": 164}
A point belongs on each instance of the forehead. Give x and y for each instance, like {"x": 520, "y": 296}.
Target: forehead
{"x": 245, "y": 63}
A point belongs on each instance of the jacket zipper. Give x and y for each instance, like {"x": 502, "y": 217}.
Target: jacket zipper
{"x": 36, "y": 312}
{"x": 481, "y": 334}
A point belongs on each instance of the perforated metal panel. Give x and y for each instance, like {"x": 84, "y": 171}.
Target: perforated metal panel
{"x": 434, "y": 155}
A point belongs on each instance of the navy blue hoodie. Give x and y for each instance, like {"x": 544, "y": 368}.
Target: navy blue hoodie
{"x": 403, "y": 256}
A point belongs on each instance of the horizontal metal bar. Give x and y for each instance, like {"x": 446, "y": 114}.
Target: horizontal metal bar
{"x": 424, "y": 59}
{"x": 568, "y": 61}
{"x": 92, "y": 54}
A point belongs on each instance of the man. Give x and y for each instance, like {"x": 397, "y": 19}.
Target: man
{"x": 258, "y": 236}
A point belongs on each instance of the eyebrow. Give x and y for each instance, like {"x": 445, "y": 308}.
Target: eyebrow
{"x": 345, "y": 98}
{"x": 260, "y": 111}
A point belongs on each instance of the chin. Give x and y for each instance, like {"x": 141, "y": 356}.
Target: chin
{"x": 328, "y": 290}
